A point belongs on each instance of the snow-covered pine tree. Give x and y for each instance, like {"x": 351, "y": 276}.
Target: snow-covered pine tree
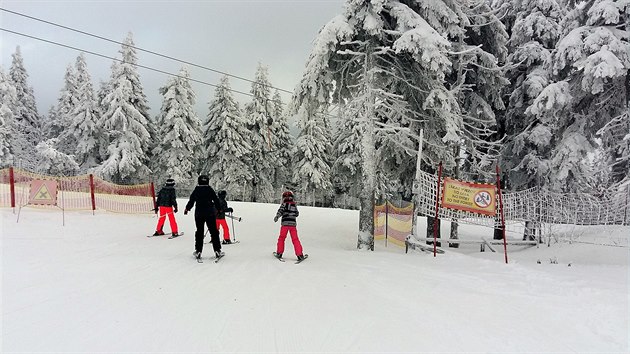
{"x": 125, "y": 120}
{"x": 25, "y": 113}
{"x": 60, "y": 120}
{"x": 589, "y": 90}
{"x": 82, "y": 129}
{"x": 312, "y": 154}
{"x": 225, "y": 141}
{"x": 282, "y": 144}
{"x": 534, "y": 28}
{"x": 388, "y": 62}
{"x": 259, "y": 113}
{"x": 55, "y": 162}
{"x": 26, "y": 119}
{"x": 179, "y": 131}
{"x": 8, "y": 131}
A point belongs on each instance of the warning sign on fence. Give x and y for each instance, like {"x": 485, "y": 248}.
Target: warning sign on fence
{"x": 43, "y": 192}
{"x": 472, "y": 197}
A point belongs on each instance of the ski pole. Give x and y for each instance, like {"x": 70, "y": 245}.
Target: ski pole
{"x": 233, "y": 230}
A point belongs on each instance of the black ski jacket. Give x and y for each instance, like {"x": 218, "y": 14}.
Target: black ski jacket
{"x": 166, "y": 197}
{"x": 223, "y": 208}
{"x": 206, "y": 199}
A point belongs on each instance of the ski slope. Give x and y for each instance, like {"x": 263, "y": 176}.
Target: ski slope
{"x": 98, "y": 284}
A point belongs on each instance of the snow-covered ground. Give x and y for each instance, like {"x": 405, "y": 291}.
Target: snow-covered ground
{"x": 99, "y": 285}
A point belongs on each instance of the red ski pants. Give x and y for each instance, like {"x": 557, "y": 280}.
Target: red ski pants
{"x": 171, "y": 218}
{"x": 222, "y": 224}
{"x": 294, "y": 238}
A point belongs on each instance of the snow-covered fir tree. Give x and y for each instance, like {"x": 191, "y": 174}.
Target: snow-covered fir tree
{"x": 8, "y": 100}
{"x": 226, "y": 143}
{"x": 590, "y": 66}
{"x": 66, "y": 103}
{"x": 282, "y": 144}
{"x": 534, "y": 27}
{"x": 312, "y": 154}
{"x": 27, "y": 120}
{"x": 55, "y": 162}
{"x": 178, "y": 153}
{"x": 388, "y": 60}
{"x": 125, "y": 120}
{"x": 259, "y": 114}
{"x": 82, "y": 130}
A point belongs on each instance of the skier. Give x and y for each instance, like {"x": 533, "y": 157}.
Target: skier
{"x": 289, "y": 213}
{"x": 207, "y": 205}
{"x": 167, "y": 205}
{"x": 221, "y": 223}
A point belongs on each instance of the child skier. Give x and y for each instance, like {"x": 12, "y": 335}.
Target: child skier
{"x": 289, "y": 213}
{"x": 221, "y": 223}
{"x": 207, "y": 205}
{"x": 167, "y": 205}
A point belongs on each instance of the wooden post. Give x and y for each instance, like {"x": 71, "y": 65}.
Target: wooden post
{"x": 437, "y": 209}
{"x": 92, "y": 192}
{"x": 153, "y": 196}
{"x": 502, "y": 215}
{"x": 12, "y": 186}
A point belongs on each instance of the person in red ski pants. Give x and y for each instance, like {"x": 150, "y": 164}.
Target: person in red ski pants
{"x": 221, "y": 223}
{"x": 288, "y": 212}
{"x": 167, "y": 205}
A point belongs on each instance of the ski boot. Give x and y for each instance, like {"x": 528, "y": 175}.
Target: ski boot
{"x": 277, "y": 255}
{"x": 159, "y": 233}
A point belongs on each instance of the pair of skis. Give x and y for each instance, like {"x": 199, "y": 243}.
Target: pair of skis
{"x": 170, "y": 237}
{"x": 275, "y": 255}
{"x": 216, "y": 259}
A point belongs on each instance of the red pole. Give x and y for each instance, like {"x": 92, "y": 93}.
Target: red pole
{"x": 153, "y": 195}
{"x": 502, "y": 215}
{"x": 12, "y": 186}
{"x": 437, "y": 206}
{"x": 92, "y": 192}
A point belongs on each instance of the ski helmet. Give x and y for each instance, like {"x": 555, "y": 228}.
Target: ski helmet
{"x": 170, "y": 182}
{"x": 288, "y": 195}
{"x": 203, "y": 180}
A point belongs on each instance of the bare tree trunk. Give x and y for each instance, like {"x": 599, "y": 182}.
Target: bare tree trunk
{"x": 454, "y": 224}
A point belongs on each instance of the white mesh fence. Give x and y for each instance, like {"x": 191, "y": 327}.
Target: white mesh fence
{"x": 534, "y": 205}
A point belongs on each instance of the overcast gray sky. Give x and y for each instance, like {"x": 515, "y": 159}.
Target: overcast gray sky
{"x": 230, "y": 36}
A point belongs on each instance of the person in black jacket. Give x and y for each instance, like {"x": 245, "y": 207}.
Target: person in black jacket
{"x": 205, "y": 213}
{"x": 221, "y": 223}
{"x": 167, "y": 205}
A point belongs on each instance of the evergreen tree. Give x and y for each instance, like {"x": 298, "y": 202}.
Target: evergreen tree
{"x": 82, "y": 130}
{"x": 282, "y": 144}
{"x": 25, "y": 113}
{"x": 589, "y": 88}
{"x": 8, "y": 131}
{"x": 225, "y": 141}
{"x": 26, "y": 119}
{"x": 534, "y": 33}
{"x": 388, "y": 60}
{"x": 125, "y": 120}
{"x": 312, "y": 154}
{"x": 179, "y": 130}
{"x": 260, "y": 113}
{"x": 61, "y": 119}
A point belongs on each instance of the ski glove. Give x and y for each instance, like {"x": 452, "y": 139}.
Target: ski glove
{"x": 275, "y": 219}
{"x": 229, "y": 210}
{"x": 185, "y": 211}
{"x": 155, "y": 210}
{"x": 175, "y": 210}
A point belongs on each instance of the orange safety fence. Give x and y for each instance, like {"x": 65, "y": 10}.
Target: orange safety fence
{"x": 393, "y": 223}
{"x": 85, "y": 192}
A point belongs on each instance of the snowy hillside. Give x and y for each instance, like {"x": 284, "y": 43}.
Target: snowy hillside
{"x": 99, "y": 285}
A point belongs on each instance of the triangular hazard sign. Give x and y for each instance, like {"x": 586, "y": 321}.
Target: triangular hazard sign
{"x": 43, "y": 194}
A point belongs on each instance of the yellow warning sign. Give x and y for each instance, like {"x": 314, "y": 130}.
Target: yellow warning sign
{"x": 472, "y": 197}
{"x": 43, "y": 192}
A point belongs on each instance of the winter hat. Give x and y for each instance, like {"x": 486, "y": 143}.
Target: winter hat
{"x": 287, "y": 196}
{"x": 203, "y": 180}
{"x": 222, "y": 194}
{"x": 170, "y": 182}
